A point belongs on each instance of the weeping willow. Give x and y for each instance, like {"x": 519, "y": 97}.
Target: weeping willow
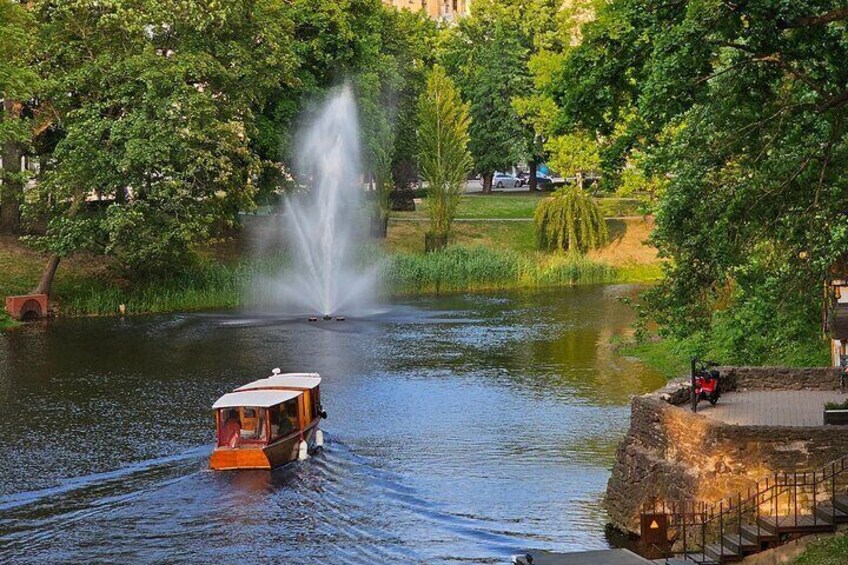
{"x": 570, "y": 220}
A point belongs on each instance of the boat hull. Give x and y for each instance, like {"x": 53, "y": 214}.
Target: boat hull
{"x": 262, "y": 456}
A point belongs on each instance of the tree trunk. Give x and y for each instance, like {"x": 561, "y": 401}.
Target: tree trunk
{"x": 533, "y": 183}
{"x": 379, "y": 226}
{"x": 435, "y": 242}
{"x": 580, "y": 180}
{"x": 12, "y": 188}
{"x": 46, "y": 282}
{"x": 487, "y": 182}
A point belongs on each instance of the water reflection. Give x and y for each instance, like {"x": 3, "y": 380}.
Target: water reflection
{"x": 461, "y": 428}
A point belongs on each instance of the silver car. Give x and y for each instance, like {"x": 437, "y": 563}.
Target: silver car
{"x": 501, "y": 180}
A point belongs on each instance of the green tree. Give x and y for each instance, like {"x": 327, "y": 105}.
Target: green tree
{"x": 158, "y": 124}
{"x": 18, "y": 82}
{"x": 538, "y": 25}
{"x": 392, "y": 80}
{"x": 742, "y": 107}
{"x": 377, "y": 121}
{"x": 574, "y": 155}
{"x": 384, "y": 52}
{"x": 412, "y": 42}
{"x": 331, "y": 41}
{"x": 570, "y": 220}
{"x": 486, "y": 56}
{"x": 443, "y": 158}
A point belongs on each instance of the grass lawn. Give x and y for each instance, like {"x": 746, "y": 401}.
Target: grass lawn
{"x": 515, "y": 206}
{"x": 483, "y": 255}
{"x": 661, "y": 356}
{"x": 627, "y": 247}
{"x": 408, "y": 237}
{"x": 21, "y": 268}
{"x": 6, "y": 321}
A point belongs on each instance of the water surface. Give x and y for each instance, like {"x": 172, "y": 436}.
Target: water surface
{"x": 462, "y": 429}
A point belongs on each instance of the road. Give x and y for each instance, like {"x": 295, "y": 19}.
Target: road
{"x": 476, "y": 185}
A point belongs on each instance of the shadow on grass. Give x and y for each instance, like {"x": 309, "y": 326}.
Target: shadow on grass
{"x": 617, "y": 230}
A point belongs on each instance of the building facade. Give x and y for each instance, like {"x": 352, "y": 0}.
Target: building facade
{"x": 442, "y": 10}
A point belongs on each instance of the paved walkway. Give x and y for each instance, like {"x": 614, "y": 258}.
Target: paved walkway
{"x": 771, "y": 408}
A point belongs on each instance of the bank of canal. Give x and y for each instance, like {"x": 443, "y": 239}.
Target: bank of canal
{"x": 462, "y": 428}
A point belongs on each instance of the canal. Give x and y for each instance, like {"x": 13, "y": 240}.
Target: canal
{"x": 461, "y": 429}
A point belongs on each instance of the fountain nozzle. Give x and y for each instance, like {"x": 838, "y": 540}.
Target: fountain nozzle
{"x": 327, "y": 317}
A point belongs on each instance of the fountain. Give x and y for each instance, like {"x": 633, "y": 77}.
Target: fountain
{"x": 325, "y": 224}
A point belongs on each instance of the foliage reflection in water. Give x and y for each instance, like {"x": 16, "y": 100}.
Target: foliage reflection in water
{"x": 465, "y": 427}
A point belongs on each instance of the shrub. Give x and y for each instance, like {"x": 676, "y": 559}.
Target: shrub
{"x": 570, "y": 220}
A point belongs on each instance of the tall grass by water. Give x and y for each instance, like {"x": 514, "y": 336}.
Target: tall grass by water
{"x": 220, "y": 285}
{"x": 208, "y": 286}
{"x": 480, "y": 268}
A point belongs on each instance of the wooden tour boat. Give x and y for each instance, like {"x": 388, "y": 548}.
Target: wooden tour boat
{"x": 268, "y": 423}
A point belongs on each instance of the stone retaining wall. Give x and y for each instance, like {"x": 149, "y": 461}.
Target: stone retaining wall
{"x": 779, "y": 378}
{"x": 673, "y": 454}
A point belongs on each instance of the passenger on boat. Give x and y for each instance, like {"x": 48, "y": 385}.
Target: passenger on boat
{"x": 280, "y": 424}
{"x": 231, "y": 430}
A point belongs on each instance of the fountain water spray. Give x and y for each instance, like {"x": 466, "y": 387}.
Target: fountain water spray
{"x": 325, "y": 227}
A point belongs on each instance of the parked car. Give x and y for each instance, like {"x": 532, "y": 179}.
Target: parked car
{"x": 543, "y": 182}
{"x": 541, "y": 178}
{"x": 501, "y": 180}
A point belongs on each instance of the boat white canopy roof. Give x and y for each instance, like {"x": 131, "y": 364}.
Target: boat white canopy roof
{"x": 255, "y": 398}
{"x": 285, "y": 380}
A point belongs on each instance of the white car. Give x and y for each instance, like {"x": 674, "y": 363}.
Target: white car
{"x": 501, "y": 180}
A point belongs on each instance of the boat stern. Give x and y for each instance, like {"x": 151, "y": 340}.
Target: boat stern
{"x": 226, "y": 459}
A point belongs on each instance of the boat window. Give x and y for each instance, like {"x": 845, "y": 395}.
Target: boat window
{"x": 291, "y": 412}
{"x": 237, "y": 426}
{"x": 252, "y": 424}
{"x": 229, "y": 427}
{"x": 284, "y": 418}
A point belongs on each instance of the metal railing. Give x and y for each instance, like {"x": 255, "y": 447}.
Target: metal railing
{"x": 773, "y": 509}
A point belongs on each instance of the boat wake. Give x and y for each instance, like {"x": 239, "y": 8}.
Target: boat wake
{"x": 357, "y": 512}
{"x": 27, "y": 518}
{"x": 348, "y": 502}
{"x": 97, "y": 480}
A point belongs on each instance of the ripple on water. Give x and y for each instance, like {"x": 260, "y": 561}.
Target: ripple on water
{"x": 462, "y": 429}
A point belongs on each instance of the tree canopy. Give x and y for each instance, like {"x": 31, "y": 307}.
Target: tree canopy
{"x": 18, "y": 82}
{"x": 156, "y": 123}
{"x": 444, "y": 158}
{"x": 485, "y": 56}
{"x": 740, "y": 106}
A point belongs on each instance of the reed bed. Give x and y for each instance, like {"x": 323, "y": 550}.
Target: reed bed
{"x": 209, "y": 286}
{"x": 480, "y": 268}
{"x": 219, "y": 285}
